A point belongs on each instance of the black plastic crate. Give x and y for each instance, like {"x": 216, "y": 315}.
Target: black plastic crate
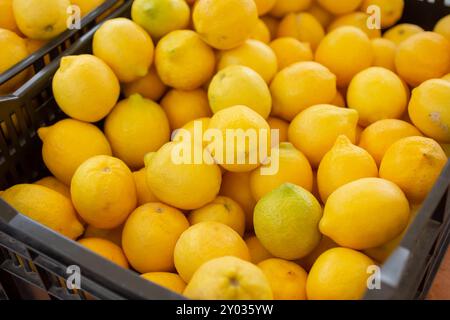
{"x": 34, "y": 259}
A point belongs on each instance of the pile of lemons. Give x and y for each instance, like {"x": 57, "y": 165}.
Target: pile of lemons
{"x": 363, "y": 121}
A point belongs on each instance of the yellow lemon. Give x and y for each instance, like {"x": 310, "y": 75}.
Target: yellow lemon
{"x": 203, "y": 242}
{"x": 358, "y": 20}
{"x": 339, "y": 100}
{"x": 289, "y": 50}
{"x": 125, "y": 47}
{"x": 283, "y": 7}
{"x": 384, "y": 53}
{"x": 325, "y": 244}
{"x": 292, "y": 166}
{"x": 45, "y": 206}
{"x": 287, "y": 279}
{"x": 231, "y": 153}
{"x": 261, "y": 32}
{"x": 225, "y": 24}
{"x": 239, "y": 85}
{"x": 280, "y": 125}
{"x": 106, "y": 249}
{"x": 345, "y": 51}
{"x": 228, "y": 278}
{"x": 446, "y": 77}
{"x": 340, "y": 7}
{"x": 379, "y": 136}
{"x": 174, "y": 182}
{"x": 132, "y": 145}
{"x": 377, "y": 93}
{"x": 365, "y": 213}
{"x": 271, "y": 24}
{"x": 390, "y": 10}
{"x": 68, "y": 143}
{"x": 302, "y": 26}
{"x": 421, "y": 161}
{"x": 103, "y": 191}
{"x": 159, "y": 17}
{"x": 112, "y": 235}
{"x": 315, "y": 130}
{"x": 344, "y": 163}
{"x": 171, "y": 281}
{"x": 443, "y": 27}
{"x": 149, "y": 86}
{"x": 322, "y": 15}
{"x": 222, "y": 209}
{"x": 339, "y": 274}
{"x": 257, "y": 251}
{"x": 86, "y": 6}
{"x": 253, "y": 54}
{"x": 85, "y": 87}
{"x": 429, "y": 109}
{"x": 236, "y": 185}
{"x": 144, "y": 194}
{"x": 150, "y": 234}
{"x": 7, "y": 20}
{"x": 190, "y": 127}
{"x": 286, "y": 222}
{"x": 13, "y": 51}
{"x": 422, "y": 57}
{"x": 183, "y": 60}
{"x": 54, "y": 184}
{"x": 402, "y": 32}
{"x": 300, "y": 86}
{"x": 264, "y": 6}
{"x": 41, "y": 19}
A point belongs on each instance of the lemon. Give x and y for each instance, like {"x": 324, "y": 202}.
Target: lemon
{"x": 103, "y": 191}
{"x": 125, "y": 47}
{"x": 289, "y": 50}
{"x": 236, "y": 185}
{"x": 222, "y": 209}
{"x": 7, "y": 20}
{"x": 325, "y": 244}
{"x": 339, "y": 274}
{"x": 239, "y": 85}
{"x": 421, "y": 161}
{"x": 203, "y": 242}
{"x": 174, "y": 183}
{"x": 149, "y": 86}
{"x": 315, "y": 130}
{"x": 365, "y": 213}
{"x": 13, "y": 51}
{"x": 41, "y": 19}
{"x": 339, "y": 100}
{"x": 264, "y": 6}
{"x": 106, "y": 249}
{"x": 159, "y": 17}
{"x": 446, "y": 77}
{"x": 286, "y": 222}
{"x": 86, "y": 6}
{"x": 183, "y": 60}
{"x": 190, "y": 127}
{"x": 443, "y": 27}
{"x": 85, "y": 87}
{"x": 283, "y": 7}
{"x": 384, "y": 53}
{"x": 68, "y": 143}
{"x": 345, "y": 51}
{"x": 54, "y": 184}
{"x": 225, "y": 24}
{"x": 344, "y": 163}
{"x": 171, "y": 281}
{"x": 303, "y": 27}
{"x": 132, "y": 145}
{"x": 340, "y": 7}
{"x": 253, "y": 54}
{"x": 300, "y": 86}
{"x": 293, "y": 168}
{"x": 422, "y": 57}
{"x": 322, "y": 15}
{"x": 150, "y": 234}
{"x": 228, "y": 278}
{"x": 402, "y": 32}
{"x": 45, "y": 206}
{"x": 280, "y": 125}
{"x": 234, "y": 155}
{"x": 144, "y": 194}
{"x": 257, "y": 251}
{"x": 429, "y": 109}
{"x": 287, "y": 279}
{"x": 112, "y": 235}
{"x": 377, "y": 94}
{"x": 379, "y": 136}
{"x": 390, "y": 10}
{"x": 261, "y": 32}
{"x": 355, "y": 19}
